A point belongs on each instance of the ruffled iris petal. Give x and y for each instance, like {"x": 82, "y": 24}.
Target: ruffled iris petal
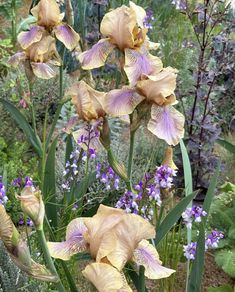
{"x": 140, "y": 13}
{"x": 104, "y": 277}
{"x": 118, "y": 25}
{"x": 43, "y": 70}
{"x": 119, "y": 102}
{"x": 139, "y": 63}
{"x": 27, "y": 38}
{"x": 146, "y": 255}
{"x": 67, "y": 36}
{"x": 17, "y": 58}
{"x": 74, "y": 243}
{"x": 167, "y": 124}
{"x": 97, "y": 55}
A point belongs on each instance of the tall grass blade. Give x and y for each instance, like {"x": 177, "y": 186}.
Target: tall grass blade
{"x": 227, "y": 145}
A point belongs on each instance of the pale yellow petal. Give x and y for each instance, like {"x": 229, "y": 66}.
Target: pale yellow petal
{"x": 146, "y": 255}
{"x": 97, "y": 55}
{"x": 140, "y": 13}
{"x": 88, "y": 101}
{"x": 6, "y": 227}
{"x": 160, "y": 87}
{"x": 118, "y": 25}
{"x": 47, "y": 13}
{"x": 104, "y": 277}
{"x": 43, "y": 70}
{"x": 167, "y": 124}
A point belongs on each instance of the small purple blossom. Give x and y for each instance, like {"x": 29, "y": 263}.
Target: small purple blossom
{"x": 148, "y": 19}
{"x": 3, "y": 197}
{"x": 107, "y": 176}
{"x": 213, "y": 239}
{"x": 21, "y": 221}
{"x": 75, "y": 207}
{"x": 28, "y": 181}
{"x": 190, "y": 250}
{"x": 17, "y": 182}
{"x": 193, "y": 214}
{"x": 29, "y": 222}
{"x": 164, "y": 176}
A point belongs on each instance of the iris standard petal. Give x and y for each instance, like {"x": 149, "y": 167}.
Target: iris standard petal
{"x": 104, "y": 277}
{"x": 97, "y": 55}
{"x": 146, "y": 255}
{"x": 43, "y": 70}
{"x": 17, "y": 58}
{"x": 74, "y": 243}
{"x": 118, "y": 25}
{"x": 167, "y": 124}
{"x": 139, "y": 12}
{"x": 47, "y": 13}
{"x": 67, "y": 35}
{"x": 27, "y": 38}
{"x": 139, "y": 63}
{"x": 157, "y": 88}
{"x": 119, "y": 102}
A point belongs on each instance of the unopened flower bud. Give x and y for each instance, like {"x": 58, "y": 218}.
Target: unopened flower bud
{"x": 105, "y": 134}
{"x": 32, "y": 205}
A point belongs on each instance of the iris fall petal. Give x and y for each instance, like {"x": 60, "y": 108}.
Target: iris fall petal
{"x": 17, "y": 58}
{"x": 74, "y": 243}
{"x": 27, "y": 38}
{"x": 43, "y": 70}
{"x": 97, "y": 55}
{"x": 67, "y": 36}
{"x": 139, "y": 63}
{"x": 119, "y": 102}
{"x": 146, "y": 255}
{"x": 167, "y": 124}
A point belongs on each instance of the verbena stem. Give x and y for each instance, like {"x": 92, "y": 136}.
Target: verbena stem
{"x": 48, "y": 259}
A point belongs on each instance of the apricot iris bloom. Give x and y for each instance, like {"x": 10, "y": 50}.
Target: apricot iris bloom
{"x": 155, "y": 90}
{"x": 112, "y": 237}
{"x": 123, "y": 28}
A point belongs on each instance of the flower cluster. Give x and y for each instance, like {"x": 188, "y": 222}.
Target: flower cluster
{"x": 3, "y": 197}
{"x": 211, "y": 241}
{"x": 147, "y": 193}
{"x": 107, "y": 176}
{"x": 39, "y": 53}
{"x": 20, "y": 182}
{"x": 193, "y": 214}
{"x": 148, "y": 19}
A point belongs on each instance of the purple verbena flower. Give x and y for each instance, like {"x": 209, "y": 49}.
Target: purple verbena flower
{"x": 29, "y": 222}
{"x": 148, "y": 19}
{"x": 28, "y": 181}
{"x": 213, "y": 239}
{"x": 193, "y": 214}
{"x": 3, "y": 197}
{"x": 17, "y": 182}
{"x": 164, "y": 176}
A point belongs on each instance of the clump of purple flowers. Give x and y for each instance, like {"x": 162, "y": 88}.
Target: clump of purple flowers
{"x": 3, "y": 197}
{"x": 147, "y": 194}
{"x": 211, "y": 241}
{"x": 22, "y": 222}
{"x": 22, "y": 182}
{"x": 193, "y": 214}
{"x": 107, "y": 176}
{"x": 149, "y": 18}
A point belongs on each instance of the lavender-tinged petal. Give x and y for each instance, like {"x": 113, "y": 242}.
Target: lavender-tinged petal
{"x": 67, "y": 36}
{"x": 42, "y": 70}
{"x": 27, "y": 38}
{"x": 97, "y": 55}
{"x": 17, "y": 58}
{"x": 146, "y": 255}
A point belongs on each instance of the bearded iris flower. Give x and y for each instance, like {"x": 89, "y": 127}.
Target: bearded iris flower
{"x": 156, "y": 91}
{"x": 112, "y": 237}
{"x": 123, "y": 28}
{"x": 88, "y": 104}
{"x": 39, "y": 44}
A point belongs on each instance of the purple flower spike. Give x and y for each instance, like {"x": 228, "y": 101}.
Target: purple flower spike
{"x": 3, "y": 197}
{"x": 213, "y": 239}
{"x": 190, "y": 250}
{"x": 193, "y": 214}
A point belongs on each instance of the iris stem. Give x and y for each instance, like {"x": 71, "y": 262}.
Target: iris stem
{"x": 48, "y": 259}
{"x": 141, "y": 279}
{"x": 131, "y": 150}
{"x": 32, "y": 108}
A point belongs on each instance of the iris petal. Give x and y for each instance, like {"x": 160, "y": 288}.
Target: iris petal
{"x": 139, "y": 63}
{"x": 167, "y": 124}
{"x": 43, "y": 70}
{"x": 67, "y": 36}
{"x": 17, "y": 58}
{"x": 119, "y": 102}
{"x": 97, "y": 55}
{"x": 146, "y": 255}
{"x": 27, "y": 38}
